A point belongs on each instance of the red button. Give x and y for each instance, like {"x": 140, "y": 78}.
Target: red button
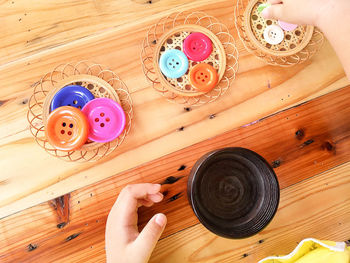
{"x": 197, "y": 46}
{"x": 203, "y": 77}
{"x": 67, "y": 128}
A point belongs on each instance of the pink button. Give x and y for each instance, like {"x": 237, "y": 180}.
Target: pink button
{"x": 197, "y": 46}
{"x": 106, "y": 119}
{"x": 286, "y": 26}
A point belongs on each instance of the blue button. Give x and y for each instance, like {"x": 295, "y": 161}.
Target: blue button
{"x": 173, "y": 63}
{"x": 72, "y": 95}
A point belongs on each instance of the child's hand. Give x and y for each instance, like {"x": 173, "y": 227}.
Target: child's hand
{"x": 331, "y": 16}
{"x": 124, "y": 243}
{"x": 308, "y": 12}
{"x": 293, "y": 11}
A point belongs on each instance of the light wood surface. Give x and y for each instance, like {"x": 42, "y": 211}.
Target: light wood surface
{"x": 32, "y": 27}
{"x": 37, "y": 36}
{"x": 111, "y": 33}
{"x": 300, "y": 143}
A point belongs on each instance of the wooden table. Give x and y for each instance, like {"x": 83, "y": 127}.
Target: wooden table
{"x": 297, "y": 118}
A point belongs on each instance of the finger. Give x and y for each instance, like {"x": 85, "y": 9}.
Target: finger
{"x": 149, "y": 236}
{"x": 156, "y": 198}
{"x": 273, "y": 12}
{"x": 127, "y": 202}
{"x": 130, "y": 194}
{"x": 150, "y": 200}
{"x": 139, "y": 191}
{"x": 146, "y": 203}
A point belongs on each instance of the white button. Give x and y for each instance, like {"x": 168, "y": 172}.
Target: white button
{"x": 273, "y": 34}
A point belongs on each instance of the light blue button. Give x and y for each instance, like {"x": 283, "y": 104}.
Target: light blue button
{"x": 173, "y": 63}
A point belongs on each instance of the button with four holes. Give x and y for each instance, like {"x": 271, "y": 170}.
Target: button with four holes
{"x": 203, "y": 77}
{"x": 106, "y": 119}
{"x": 67, "y": 128}
{"x": 287, "y": 26}
{"x": 197, "y": 46}
{"x": 72, "y": 95}
{"x": 173, "y": 63}
{"x": 273, "y": 34}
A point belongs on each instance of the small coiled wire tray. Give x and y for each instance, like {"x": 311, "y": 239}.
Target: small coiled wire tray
{"x": 205, "y": 21}
{"x": 102, "y": 82}
{"x": 298, "y": 46}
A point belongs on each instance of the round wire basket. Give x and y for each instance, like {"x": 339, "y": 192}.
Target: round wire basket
{"x": 298, "y": 45}
{"x": 102, "y": 82}
{"x": 169, "y": 33}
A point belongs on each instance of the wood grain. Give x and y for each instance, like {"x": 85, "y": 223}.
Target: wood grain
{"x": 317, "y": 207}
{"x": 37, "y": 233}
{"x": 29, "y": 176}
{"x": 32, "y": 27}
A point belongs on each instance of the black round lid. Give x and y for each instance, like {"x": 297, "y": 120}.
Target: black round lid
{"x": 234, "y": 192}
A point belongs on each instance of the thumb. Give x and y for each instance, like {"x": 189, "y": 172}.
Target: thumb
{"x": 273, "y": 12}
{"x": 149, "y": 236}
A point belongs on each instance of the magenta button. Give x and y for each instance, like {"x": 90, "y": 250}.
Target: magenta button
{"x": 106, "y": 119}
{"x": 286, "y": 26}
{"x": 197, "y": 46}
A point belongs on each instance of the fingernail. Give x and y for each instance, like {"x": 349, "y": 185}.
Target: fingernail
{"x": 157, "y": 197}
{"x": 160, "y": 196}
{"x": 160, "y": 220}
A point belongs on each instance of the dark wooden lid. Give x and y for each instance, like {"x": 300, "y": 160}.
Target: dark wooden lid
{"x": 233, "y": 192}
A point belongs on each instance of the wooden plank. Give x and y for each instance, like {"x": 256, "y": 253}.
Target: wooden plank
{"x": 258, "y": 91}
{"x": 323, "y": 120}
{"x": 318, "y": 207}
{"x": 31, "y": 27}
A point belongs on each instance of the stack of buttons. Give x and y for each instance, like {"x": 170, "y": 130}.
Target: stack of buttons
{"x": 274, "y": 34}
{"x": 76, "y": 117}
{"x": 197, "y": 47}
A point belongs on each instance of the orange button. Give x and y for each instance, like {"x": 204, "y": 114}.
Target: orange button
{"x": 203, "y": 77}
{"x": 67, "y": 128}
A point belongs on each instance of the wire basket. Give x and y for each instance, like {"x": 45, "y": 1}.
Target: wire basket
{"x": 102, "y": 83}
{"x": 169, "y": 33}
{"x": 298, "y": 45}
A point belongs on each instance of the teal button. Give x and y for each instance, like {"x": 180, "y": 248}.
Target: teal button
{"x": 173, "y": 63}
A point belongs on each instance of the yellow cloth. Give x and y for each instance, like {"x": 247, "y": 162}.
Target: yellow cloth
{"x": 314, "y": 251}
